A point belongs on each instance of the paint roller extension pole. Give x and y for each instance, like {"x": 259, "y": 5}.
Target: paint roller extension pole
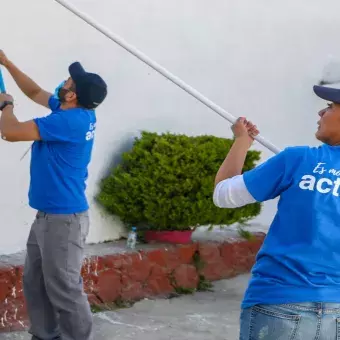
{"x": 2, "y": 83}
{"x": 141, "y": 56}
{"x": 3, "y": 90}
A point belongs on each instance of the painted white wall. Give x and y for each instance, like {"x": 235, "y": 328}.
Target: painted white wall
{"x": 254, "y": 58}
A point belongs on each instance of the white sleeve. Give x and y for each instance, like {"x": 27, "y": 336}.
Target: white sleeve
{"x": 232, "y": 193}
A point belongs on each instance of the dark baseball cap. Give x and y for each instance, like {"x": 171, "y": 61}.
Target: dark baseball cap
{"x": 91, "y": 89}
{"x": 327, "y": 93}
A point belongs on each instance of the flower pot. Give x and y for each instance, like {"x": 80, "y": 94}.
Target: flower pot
{"x": 175, "y": 237}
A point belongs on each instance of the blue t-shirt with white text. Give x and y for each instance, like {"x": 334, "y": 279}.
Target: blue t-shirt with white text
{"x": 60, "y": 160}
{"x": 300, "y": 257}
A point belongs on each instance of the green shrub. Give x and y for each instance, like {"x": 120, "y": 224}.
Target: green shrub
{"x": 166, "y": 182}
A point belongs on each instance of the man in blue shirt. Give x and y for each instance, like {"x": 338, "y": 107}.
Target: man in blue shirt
{"x": 63, "y": 140}
{"x": 294, "y": 292}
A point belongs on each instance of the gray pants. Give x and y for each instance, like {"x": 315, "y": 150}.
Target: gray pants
{"x": 57, "y": 305}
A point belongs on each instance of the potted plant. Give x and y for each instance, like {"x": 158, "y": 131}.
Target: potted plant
{"x": 165, "y": 183}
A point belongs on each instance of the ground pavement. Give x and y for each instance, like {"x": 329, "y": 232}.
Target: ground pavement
{"x": 202, "y": 316}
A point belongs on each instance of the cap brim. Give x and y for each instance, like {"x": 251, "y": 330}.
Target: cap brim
{"x": 327, "y": 93}
{"x": 76, "y": 70}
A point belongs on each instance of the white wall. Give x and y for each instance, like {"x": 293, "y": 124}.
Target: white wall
{"x": 254, "y": 58}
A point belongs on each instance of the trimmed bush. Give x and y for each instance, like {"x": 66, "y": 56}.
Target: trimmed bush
{"x": 166, "y": 182}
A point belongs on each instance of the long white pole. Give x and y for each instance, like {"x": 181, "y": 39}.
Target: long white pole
{"x": 141, "y": 56}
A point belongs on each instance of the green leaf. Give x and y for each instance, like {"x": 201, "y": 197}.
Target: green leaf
{"x": 166, "y": 182}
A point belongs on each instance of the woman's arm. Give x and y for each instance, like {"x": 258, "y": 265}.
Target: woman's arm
{"x": 244, "y": 133}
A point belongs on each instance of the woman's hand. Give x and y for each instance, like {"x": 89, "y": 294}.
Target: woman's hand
{"x": 245, "y": 130}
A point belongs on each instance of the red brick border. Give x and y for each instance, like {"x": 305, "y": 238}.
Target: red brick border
{"x": 137, "y": 275}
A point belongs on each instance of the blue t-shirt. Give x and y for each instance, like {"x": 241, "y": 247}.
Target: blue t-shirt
{"x": 300, "y": 257}
{"x": 59, "y": 161}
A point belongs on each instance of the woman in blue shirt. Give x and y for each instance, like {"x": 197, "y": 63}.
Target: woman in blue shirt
{"x": 294, "y": 291}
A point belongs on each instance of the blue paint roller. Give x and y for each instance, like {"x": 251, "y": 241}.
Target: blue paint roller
{"x": 2, "y": 83}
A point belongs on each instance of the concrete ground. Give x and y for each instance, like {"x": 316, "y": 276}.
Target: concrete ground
{"x": 202, "y": 316}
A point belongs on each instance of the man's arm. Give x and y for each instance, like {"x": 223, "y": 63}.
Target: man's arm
{"x": 61, "y": 127}
{"x": 14, "y": 131}
{"x": 26, "y": 84}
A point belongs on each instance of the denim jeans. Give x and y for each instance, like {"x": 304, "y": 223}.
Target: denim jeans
{"x": 302, "y": 321}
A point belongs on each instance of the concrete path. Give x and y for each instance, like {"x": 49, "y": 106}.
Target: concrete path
{"x": 202, "y": 316}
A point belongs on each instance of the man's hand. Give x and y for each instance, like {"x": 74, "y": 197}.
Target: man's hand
{"x": 245, "y": 130}
{"x": 3, "y": 59}
{"x": 5, "y": 97}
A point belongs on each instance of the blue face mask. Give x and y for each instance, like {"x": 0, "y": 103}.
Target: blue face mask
{"x": 56, "y": 91}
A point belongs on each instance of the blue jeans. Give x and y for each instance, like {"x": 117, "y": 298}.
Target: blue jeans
{"x": 303, "y": 321}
